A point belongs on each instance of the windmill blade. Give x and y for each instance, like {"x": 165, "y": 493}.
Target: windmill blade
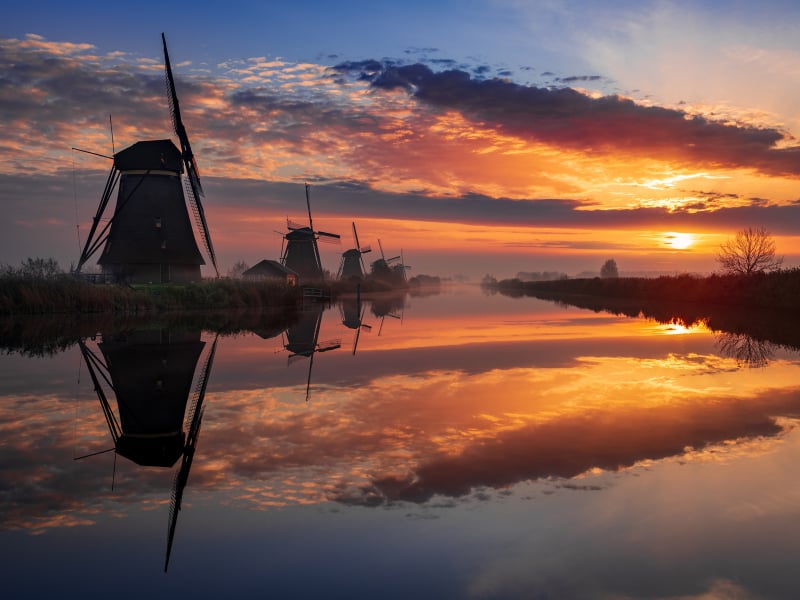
{"x": 308, "y": 206}
{"x": 177, "y": 123}
{"x": 328, "y": 238}
{"x": 292, "y": 225}
{"x": 361, "y": 252}
{"x": 94, "y": 241}
{"x": 182, "y": 477}
{"x": 329, "y": 345}
{"x": 381, "y": 247}
{"x": 202, "y": 224}
{"x": 189, "y": 161}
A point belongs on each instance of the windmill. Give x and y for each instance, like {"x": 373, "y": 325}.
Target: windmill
{"x": 302, "y": 339}
{"x": 157, "y": 422}
{"x": 352, "y": 264}
{"x": 301, "y": 253}
{"x": 391, "y": 271}
{"x": 150, "y": 238}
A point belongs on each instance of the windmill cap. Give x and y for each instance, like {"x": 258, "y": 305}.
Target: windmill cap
{"x": 152, "y": 155}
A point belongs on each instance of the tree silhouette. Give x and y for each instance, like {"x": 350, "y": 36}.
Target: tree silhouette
{"x": 751, "y": 251}
{"x": 609, "y": 269}
{"x": 239, "y": 267}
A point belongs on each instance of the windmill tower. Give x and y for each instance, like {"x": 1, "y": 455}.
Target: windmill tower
{"x": 300, "y": 252}
{"x": 149, "y": 238}
{"x": 352, "y": 264}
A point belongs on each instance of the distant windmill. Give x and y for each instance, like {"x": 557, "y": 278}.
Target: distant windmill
{"x": 352, "y": 265}
{"x": 391, "y": 271}
{"x": 149, "y": 238}
{"x": 301, "y": 253}
{"x": 150, "y": 373}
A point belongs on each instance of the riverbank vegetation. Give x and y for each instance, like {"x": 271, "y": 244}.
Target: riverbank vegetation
{"x": 39, "y": 286}
{"x": 776, "y": 289}
{"x": 65, "y": 294}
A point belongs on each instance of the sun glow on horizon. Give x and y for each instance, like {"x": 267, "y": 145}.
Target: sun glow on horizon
{"x": 680, "y": 241}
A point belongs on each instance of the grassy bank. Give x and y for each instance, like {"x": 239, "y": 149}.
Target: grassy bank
{"x": 776, "y": 290}
{"x": 66, "y": 295}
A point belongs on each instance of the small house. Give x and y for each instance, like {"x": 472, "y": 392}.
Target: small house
{"x": 270, "y": 270}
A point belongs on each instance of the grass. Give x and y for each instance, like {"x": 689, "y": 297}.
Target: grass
{"x": 67, "y": 295}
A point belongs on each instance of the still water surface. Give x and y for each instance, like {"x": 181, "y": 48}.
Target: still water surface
{"x": 457, "y": 445}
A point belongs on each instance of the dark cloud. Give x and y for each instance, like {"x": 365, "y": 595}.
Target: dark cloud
{"x": 579, "y": 78}
{"x": 567, "y": 118}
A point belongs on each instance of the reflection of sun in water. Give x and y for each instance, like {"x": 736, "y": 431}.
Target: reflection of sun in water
{"x": 679, "y": 241}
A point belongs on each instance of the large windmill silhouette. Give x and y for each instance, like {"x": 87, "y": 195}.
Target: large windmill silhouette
{"x": 143, "y": 380}
{"x": 300, "y": 252}
{"x": 150, "y": 238}
{"x": 352, "y": 263}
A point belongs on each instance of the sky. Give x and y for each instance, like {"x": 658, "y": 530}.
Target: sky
{"x": 475, "y": 137}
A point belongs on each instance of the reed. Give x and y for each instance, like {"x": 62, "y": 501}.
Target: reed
{"x": 65, "y": 294}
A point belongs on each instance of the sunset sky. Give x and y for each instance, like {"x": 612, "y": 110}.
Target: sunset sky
{"x": 478, "y": 136}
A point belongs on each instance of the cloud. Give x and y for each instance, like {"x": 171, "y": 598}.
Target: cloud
{"x": 565, "y": 117}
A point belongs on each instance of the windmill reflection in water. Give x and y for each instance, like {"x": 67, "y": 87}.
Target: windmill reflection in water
{"x": 150, "y": 373}
{"x": 301, "y": 339}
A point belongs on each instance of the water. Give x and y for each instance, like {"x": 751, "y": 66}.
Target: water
{"x": 457, "y": 445}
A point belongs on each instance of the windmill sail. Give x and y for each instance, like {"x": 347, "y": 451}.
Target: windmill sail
{"x": 194, "y": 418}
{"x": 192, "y": 174}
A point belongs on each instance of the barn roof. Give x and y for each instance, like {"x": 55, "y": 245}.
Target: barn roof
{"x": 268, "y": 268}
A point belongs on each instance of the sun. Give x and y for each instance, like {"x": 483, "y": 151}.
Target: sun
{"x": 679, "y": 241}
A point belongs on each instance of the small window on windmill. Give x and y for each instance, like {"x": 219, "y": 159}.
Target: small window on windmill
{"x": 158, "y": 222}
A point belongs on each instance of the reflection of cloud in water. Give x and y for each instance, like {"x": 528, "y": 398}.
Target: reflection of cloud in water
{"x": 570, "y": 446}
{"x": 418, "y": 435}
{"x": 448, "y": 434}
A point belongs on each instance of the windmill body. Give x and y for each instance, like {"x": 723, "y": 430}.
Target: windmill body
{"x": 351, "y": 265}
{"x": 302, "y": 255}
{"x": 151, "y": 237}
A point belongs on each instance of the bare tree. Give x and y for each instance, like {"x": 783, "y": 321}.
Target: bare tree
{"x": 609, "y": 269}
{"x": 239, "y": 267}
{"x": 751, "y": 251}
